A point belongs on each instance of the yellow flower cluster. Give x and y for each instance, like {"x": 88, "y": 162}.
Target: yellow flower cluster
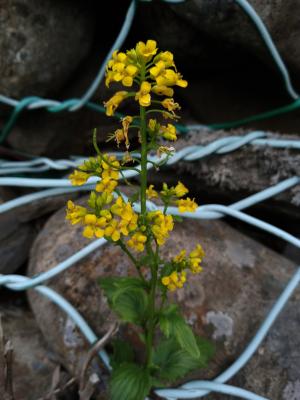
{"x": 90, "y": 167}
{"x": 132, "y": 66}
{"x": 166, "y": 131}
{"x": 180, "y": 263}
{"x": 167, "y": 194}
{"x": 106, "y": 167}
{"x": 112, "y": 222}
{"x": 109, "y": 175}
{"x": 187, "y": 205}
{"x": 120, "y": 69}
{"x": 75, "y": 213}
{"x": 195, "y": 259}
{"x": 137, "y": 241}
{"x": 161, "y": 225}
{"x": 175, "y": 280}
{"x": 178, "y": 191}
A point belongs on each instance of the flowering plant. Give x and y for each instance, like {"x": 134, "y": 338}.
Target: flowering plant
{"x": 171, "y": 348}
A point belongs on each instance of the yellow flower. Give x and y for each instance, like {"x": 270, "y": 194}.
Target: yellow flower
{"x": 129, "y": 73}
{"x": 106, "y": 185}
{"x": 94, "y": 226}
{"x": 180, "y": 190}
{"x": 162, "y": 90}
{"x": 158, "y": 69}
{"x": 118, "y": 207}
{"x": 113, "y": 103}
{"x": 180, "y": 257}
{"x": 197, "y": 252}
{"x": 169, "y": 132}
{"x": 146, "y": 50}
{"x": 119, "y": 69}
{"x": 167, "y": 57}
{"x": 79, "y": 178}
{"x": 110, "y": 167}
{"x": 152, "y": 124}
{"x": 128, "y": 217}
{"x": 174, "y": 281}
{"x": 75, "y": 214}
{"x": 170, "y": 78}
{"x": 195, "y": 266}
{"x": 161, "y": 225}
{"x": 126, "y": 121}
{"x": 195, "y": 259}
{"x": 170, "y": 105}
{"x": 112, "y": 230}
{"x": 151, "y": 193}
{"x": 187, "y": 205}
{"x": 137, "y": 241}
{"x": 117, "y": 57}
{"x": 143, "y": 95}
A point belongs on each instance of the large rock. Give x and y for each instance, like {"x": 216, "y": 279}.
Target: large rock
{"x": 230, "y": 71}
{"x": 42, "y": 43}
{"x": 208, "y": 30}
{"x": 226, "y": 303}
{"x": 20, "y": 226}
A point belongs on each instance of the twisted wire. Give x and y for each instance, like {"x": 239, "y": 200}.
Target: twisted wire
{"x": 188, "y": 153}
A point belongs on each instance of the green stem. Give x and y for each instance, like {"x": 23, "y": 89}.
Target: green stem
{"x": 143, "y": 162}
{"x": 151, "y": 321}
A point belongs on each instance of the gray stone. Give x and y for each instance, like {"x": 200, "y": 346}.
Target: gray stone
{"x": 19, "y": 227}
{"x": 230, "y": 71}
{"x": 42, "y": 44}
{"x": 226, "y": 303}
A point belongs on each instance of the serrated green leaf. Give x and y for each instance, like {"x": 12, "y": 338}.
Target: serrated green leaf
{"x": 130, "y": 382}
{"x": 126, "y": 297}
{"x": 113, "y": 286}
{"x": 173, "y": 324}
{"x": 185, "y": 337}
{"x": 172, "y": 362}
{"x": 122, "y": 353}
{"x": 206, "y": 348}
{"x": 165, "y": 325}
{"x": 131, "y": 305}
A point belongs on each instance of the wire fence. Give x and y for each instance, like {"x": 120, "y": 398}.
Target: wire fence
{"x": 54, "y": 187}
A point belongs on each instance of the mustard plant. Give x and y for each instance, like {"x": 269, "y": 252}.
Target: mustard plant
{"x": 171, "y": 349}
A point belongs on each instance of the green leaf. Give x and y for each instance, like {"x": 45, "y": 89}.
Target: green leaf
{"x": 113, "y": 286}
{"x": 185, "y": 336}
{"x": 206, "y": 348}
{"x": 127, "y": 297}
{"x": 173, "y": 324}
{"x": 131, "y": 305}
{"x": 130, "y": 382}
{"x": 173, "y": 362}
{"x": 177, "y": 218}
{"x": 122, "y": 352}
